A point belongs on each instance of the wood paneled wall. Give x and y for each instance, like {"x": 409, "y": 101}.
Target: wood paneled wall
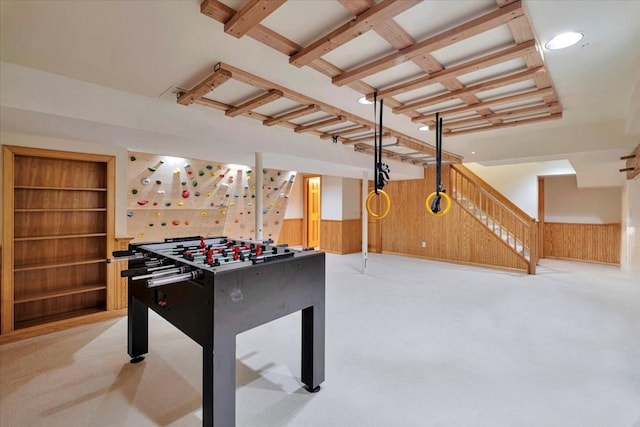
{"x": 341, "y": 237}
{"x": 456, "y": 237}
{"x": 291, "y": 232}
{"x": 117, "y": 295}
{"x": 584, "y": 242}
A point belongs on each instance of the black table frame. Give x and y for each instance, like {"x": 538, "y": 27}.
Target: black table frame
{"x": 227, "y": 301}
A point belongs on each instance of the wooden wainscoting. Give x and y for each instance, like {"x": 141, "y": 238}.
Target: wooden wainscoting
{"x": 457, "y": 237}
{"x": 291, "y": 232}
{"x": 584, "y": 242}
{"x": 341, "y": 237}
{"x": 117, "y": 296}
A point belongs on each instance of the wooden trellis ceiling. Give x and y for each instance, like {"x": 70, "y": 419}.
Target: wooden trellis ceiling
{"x": 302, "y": 114}
{"x": 489, "y": 88}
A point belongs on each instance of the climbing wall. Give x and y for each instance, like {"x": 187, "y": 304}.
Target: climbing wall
{"x": 171, "y": 197}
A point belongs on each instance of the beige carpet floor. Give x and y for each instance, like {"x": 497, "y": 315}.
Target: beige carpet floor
{"x": 411, "y": 343}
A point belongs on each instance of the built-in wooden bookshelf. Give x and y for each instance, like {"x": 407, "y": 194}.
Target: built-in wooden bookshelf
{"x": 58, "y": 232}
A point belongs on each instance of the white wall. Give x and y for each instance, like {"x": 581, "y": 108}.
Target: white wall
{"x": 565, "y": 202}
{"x": 296, "y": 199}
{"x": 630, "y": 251}
{"x": 351, "y": 201}
{"x": 331, "y": 197}
{"x": 519, "y": 182}
{"x": 120, "y": 154}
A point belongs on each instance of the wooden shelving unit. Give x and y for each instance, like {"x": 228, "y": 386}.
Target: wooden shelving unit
{"x": 58, "y": 232}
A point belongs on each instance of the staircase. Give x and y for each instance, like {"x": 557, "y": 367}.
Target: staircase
{"x": 515, "y": 228}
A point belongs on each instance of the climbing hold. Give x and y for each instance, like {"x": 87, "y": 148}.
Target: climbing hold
{"x": 161, "y": 192}
{"x": 272, "y": 179}
{"x": 197, "y": 194}
{"x": 240, "y": 213}
{"x": 156, "y": 166}
{"x": 132, "y": 158}
{"x": 158, "y": 182}
{"x": 236, "y": 195}
{"x": 209, "y": 167}
{"x": 200, "y": 173}
{"x": 246, "y": 186}
{"x": 232, "y": 204}
{"x": 176, "y": 170}
{"x": 277, "y": 222}
{"x": 219, "y": 167}
{"x": 264, "y": 171}
{"x": 212, "y": 173}
{"x": 221, "y": 175}
{"x": 253, "y": 196}
{"x": 155, "y": 203}
{"x": 175, "y": 222}
{"x": 248, "y": 212}
{"x": 212, "y": 204}
{"x": 129, "y": 214}
{"x": 236, "y": 221}
{"x": 184, "y": 183}
{"x": 223, "y": 213}
{"x": 150, "y": 224}
{"x": 134, "y": 191}
{"x": 180, "y": 203}
{"x": 248, "y": 171}
{"x": 185, "y": 194}
{"x": 230, "y": 180}
{"x": 141, "y": 235}
{"x": 164, "y": 224}
{"x": 279, "y": 173}
{"x": 158, "y": 214}
{"x": 145, "y": 181}
{"x": 186, "y": 223}
{"x": 264, "y": 212}
{"x": 217, "y": 221}
{"x": 142, "y": 202}
{"x": 167, "y": 204}
{"x": 194, "y": 183}
{"x": 208, "y": 194}
{"x": 203, "y": 213}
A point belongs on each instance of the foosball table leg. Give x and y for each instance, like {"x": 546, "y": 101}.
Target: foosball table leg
{"x": 138, "y": 330}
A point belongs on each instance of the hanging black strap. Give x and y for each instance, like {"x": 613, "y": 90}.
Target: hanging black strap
{"x": 435, "y": 203}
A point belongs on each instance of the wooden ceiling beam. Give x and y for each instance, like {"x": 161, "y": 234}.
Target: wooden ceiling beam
{"x": 494, "y": 126}
{"x": 425, "y": 118}
{"x": 309, "y": 109}
{"x": 217, "y": 78}
{"x": 549, "y": 107}
{"x": 355, "y": 140}
{"x": 320, "y": 124}
{"x": 499, "y": 57}
{"x": 250, "y": 15}
{"x": 473, "y": 89}
{"x": 364, "y": 22}
{"x": 346, "y": 132}
{"x": 266, "y": 98}
{"x": 439, "y": 41}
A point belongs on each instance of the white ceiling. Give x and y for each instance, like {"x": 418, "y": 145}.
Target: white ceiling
{"x": 134, "y": 53}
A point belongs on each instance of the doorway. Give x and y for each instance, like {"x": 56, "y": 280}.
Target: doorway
{"x": 311, "y": 235}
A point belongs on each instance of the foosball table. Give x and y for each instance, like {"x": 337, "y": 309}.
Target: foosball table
{"x": 215, "y": 288}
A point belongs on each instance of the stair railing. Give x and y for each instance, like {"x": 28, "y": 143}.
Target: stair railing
{"x": 516, "y": 229}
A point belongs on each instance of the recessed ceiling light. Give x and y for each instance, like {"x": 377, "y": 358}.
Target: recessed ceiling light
{"x": 423, "y": 128}
{"x": 473, "y": 152}
{"x": 364, "y": 101}
{"x": 564, "y": 40}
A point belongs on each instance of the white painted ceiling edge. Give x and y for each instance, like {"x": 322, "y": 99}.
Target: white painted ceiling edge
{"x": 30, "y": 100}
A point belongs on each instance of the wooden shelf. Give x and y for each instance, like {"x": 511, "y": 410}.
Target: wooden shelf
{"x": 61, "y": 236}
{"x": 61, "y": 205}
{"x": 57, "y": 264}
{"x": 62, "y": 210}
{"x": 57, "y": 317}
{"x": 33, "y": 187}
{"x": 35, "y": 296}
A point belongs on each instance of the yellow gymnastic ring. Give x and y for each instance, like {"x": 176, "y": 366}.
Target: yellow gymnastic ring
{"x": 432, "y": 196}
{"x": 368, "y": 204}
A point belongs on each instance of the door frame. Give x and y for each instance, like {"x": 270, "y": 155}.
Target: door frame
{"x": 305, "y": 213}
